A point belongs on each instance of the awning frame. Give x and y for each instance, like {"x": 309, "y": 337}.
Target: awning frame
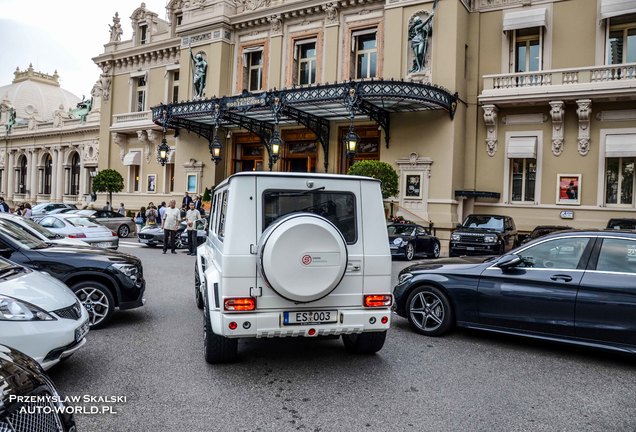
{"x": 312, "y": 106}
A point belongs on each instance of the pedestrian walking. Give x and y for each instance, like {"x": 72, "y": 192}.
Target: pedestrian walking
{"x": 4, "y": 207}
{"x": 170, "y": 225}
{"x": 140, "y": 218}
{"x": 27, "y": 210}
{"x": 192, "y": 215}
{"x": 187, "y": 199}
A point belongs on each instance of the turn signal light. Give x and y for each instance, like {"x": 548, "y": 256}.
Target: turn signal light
{"x": 240, "y": 304}
{"x": 378, "y": 300}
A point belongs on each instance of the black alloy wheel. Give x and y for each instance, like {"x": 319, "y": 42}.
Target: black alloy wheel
{"x": 409, "y": 252}
{"x": 429, "y": 311}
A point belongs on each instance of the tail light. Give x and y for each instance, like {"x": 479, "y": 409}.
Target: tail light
{"x": 240, "y": 304}
{"x": 78, "y": 235}
{"x": 378, "y": 300}
{"x": 113, "y": 233}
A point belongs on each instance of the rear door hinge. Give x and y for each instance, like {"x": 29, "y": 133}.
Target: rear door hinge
{"x": 256, "y": 291}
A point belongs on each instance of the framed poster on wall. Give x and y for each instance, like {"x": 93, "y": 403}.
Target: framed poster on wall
{"x": 151, "y": 183}
{"x": 568, "y": 189}
{"x": 413, "y": 186}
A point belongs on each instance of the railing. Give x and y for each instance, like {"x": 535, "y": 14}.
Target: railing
{"x": 590, "y": 75}
{"x": 141, "y": 116}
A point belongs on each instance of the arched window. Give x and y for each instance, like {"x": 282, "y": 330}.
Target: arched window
{"x": 75, "y": 174}
{"x": 22, "y": 175}
{"x": 48, "y": 173}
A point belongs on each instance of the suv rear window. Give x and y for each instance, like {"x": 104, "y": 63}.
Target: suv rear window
{"x": 337, "y": 207}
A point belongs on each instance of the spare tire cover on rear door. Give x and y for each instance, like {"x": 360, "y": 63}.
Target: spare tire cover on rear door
{"x": 303, "y": 257}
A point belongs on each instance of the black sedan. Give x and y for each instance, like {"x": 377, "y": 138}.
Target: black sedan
{"x": 22, "y": 379}
{"x": 102, "y": 279}
{"x": 408, "y": 240}
{"x": 570, "y": 286}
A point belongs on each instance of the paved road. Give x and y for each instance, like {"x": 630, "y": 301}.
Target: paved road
{"x": 467, "y": 381}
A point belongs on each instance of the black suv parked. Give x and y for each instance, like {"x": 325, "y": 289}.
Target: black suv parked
{"x": 621, "y": 224}
{"x": 483, "y": 234}
{"x": 102, "y": 279}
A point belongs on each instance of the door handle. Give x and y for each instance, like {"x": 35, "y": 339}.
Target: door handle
{"x": 564, "y": 278}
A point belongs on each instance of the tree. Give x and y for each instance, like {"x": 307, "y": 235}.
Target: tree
{"x": 378, "y": 170}
{"x": 109, "y": 181}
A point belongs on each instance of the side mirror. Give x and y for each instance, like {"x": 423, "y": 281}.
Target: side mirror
{"x": 508, "y": 261}
{"x": 458, "y": 226}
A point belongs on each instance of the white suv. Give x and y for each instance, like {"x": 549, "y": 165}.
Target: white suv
{"x": 294, "y": 255}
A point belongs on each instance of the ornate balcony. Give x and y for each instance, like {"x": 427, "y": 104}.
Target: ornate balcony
{"x": 596, "y": 82}
{"x": 132, "y": 121}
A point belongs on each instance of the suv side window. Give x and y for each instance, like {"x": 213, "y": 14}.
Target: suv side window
{"x": 222, "y": 214}
{"x": 337, "y": 207}
{"x": 48, "y": 222}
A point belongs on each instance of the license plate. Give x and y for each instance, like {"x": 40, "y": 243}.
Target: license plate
{"x": 470, "y": 248}
{"x": 81, "y": 331}
{"x": 103, "y": 244}
{"x": 310, "y": 317}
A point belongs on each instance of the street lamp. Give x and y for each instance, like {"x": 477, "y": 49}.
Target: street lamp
{"x": 163, "y": 149}
{"x": 350, "y": 142}
{"x": 275, "y": 144}
{"x": 215, "y": 149}
{"x": 162, "y": 152}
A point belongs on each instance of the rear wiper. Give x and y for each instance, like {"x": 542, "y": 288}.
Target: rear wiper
{"x": 307, "y": 192}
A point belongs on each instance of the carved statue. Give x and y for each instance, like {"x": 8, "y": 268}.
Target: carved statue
{"x": 82, "y": 110}
{"x": 419, "y": 32}
{"x": 277, "y": 23}
{"x": 10, "y": 120}
{"x": 105, "y": 80}
{"x": 115, "y": 29}
{"x": 200, "y": 67}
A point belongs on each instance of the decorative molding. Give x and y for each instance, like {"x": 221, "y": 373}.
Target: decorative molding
{"x": 250, "y": 5}
{"x": 90, "y": 152}
{"x": 557, "y": 112}
{"x": 120, "y": 140}
{"x": 616, "y": 115}
{"x": 524, "y": 119}
{"x": 490, "y": 118}
{"x": 142, "y": 136}
{"x": 154, "y": 138}
{"x": 331, "y": 12}
{"x": 584, "y": 111}
{"x": 276, "y": 22}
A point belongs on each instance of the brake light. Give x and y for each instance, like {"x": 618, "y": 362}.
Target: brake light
{"x": 240, "y": 304}
{"x": 378, "y": 300}
{"x": 114, "y": 234}
{"x": 78, "y": 235}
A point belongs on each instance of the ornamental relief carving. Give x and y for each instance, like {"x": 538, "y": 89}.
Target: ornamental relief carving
{"x": 490, "y": 118}
{"x": 251, "y": 5}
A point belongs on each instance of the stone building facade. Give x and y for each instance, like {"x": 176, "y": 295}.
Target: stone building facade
{"x": 536, "y": 101}
{"x": 49, "y": 147}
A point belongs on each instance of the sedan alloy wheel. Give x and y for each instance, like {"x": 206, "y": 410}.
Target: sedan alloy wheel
{"x": 123, "y": 231}
{"x": 409, "y": 252}
{"x": 429, "y": 311}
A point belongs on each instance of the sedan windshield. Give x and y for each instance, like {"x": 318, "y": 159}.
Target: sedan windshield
{"x": 485, "y": 222}
{"x": 39, "y": 228}
{"x": 20, "y": 237}
{"x": 400, "y": 229}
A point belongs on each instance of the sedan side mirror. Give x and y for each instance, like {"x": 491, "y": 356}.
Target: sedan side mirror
{"x": 508, "y": 261}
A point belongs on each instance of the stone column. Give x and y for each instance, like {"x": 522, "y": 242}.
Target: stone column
{"x": 10, "y": 175}
{"x": 59, "y": 174}
{"x": 33, "y": 175}
{"x": 54, "y": 168}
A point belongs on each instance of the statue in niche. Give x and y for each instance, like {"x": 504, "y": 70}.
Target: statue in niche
{"x": 200, "y": 67}
{"x": 420, "y": 32}
{"x": 10, "y": 120}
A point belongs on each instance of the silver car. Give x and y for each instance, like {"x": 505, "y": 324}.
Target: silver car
{"x": 39, "y": 231}
{"x": 80, "y": 227}
{"x": 122, "y": 225}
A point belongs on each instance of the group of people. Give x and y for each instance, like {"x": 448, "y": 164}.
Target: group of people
{"x": 23, "y": 209}
{"x": 169, "y": 217}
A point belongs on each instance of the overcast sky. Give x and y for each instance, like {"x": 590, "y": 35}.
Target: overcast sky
{"x": 62, "y": 35}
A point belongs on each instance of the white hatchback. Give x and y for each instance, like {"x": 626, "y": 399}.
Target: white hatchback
{"x": 39, "y": 315}
{"x": 295, "y": 255}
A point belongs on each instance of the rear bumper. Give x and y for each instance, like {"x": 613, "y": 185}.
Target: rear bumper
{"x": 269, "y": 324}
